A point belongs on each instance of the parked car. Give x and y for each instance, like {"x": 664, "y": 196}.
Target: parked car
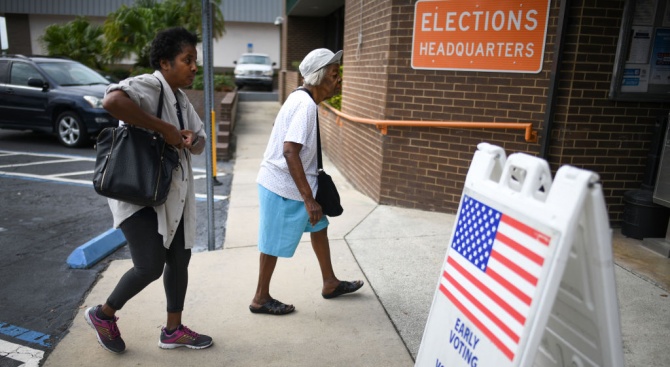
{"x": 254, "y": 69}
{"x": 53, "y": 95}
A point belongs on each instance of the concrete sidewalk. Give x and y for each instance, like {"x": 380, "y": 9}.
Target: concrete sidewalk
{"x": 398, "y": 252}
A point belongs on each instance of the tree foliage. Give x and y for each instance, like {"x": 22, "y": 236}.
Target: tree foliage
{"x": 127, "y": 32}
{"x": 78, "y": 40}
{"x": 191, "y": 16}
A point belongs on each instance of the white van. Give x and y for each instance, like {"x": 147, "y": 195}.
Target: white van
{"x": 254, "y": 69}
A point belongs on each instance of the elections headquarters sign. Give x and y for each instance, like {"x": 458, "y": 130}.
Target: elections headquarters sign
{"x": 480, "y": 35}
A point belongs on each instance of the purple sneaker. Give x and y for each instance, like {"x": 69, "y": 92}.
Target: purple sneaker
{"x": 183, "y": 337}
{"x": 107, "y": 332}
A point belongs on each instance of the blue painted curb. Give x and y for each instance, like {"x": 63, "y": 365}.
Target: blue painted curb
{"x": 96, "y": 249}
{"x": 25, "y": 334}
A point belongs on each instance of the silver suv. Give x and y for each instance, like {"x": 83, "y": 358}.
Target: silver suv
{"x": 254, "y": 69}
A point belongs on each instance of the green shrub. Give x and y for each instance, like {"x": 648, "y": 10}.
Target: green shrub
{"x": 336, "y": 100}
{"x": 138, "y": 70}
{"x": 119, "y": 74}
{"x": 221, "y": 82}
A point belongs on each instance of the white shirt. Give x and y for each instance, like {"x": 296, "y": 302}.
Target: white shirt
{"x": 295, "y": 122}
{"x": 144, "y": 90}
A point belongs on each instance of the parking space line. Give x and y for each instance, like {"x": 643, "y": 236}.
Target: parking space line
{"x": 61, "y": 177}
{"x": 4, "y": 153}
{"x": 29, "y": 356}
{"x": 41, "y": 162}
{"x": 46, "y": 178}
{"x": 197, "y": 177}
{"x": 56, "y": 155}
{"x": 70, "y": 174}
{"x": 201, "y": 197}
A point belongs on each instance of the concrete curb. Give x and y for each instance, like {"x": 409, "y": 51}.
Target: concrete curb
{"x": 96, "y": 249}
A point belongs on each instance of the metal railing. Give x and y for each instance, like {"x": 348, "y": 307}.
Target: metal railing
{"x": 382, "y": 125}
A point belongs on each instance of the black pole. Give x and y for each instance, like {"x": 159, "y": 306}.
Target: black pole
{"x": 547, "y": 124}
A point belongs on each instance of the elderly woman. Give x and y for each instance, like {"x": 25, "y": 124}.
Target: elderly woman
{"x": 287, "y": 184}
{"x": 159, "y": 238}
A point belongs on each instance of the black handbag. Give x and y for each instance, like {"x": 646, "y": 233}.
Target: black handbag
{"x": 134, "y": 165}
{"x": 326, "y": 192}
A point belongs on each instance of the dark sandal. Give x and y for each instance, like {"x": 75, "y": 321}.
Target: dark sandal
{"x": 343, "y": 288}
{"x": 273, "y": 307}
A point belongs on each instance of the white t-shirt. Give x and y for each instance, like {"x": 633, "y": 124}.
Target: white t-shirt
{"x": 295, "y": 122}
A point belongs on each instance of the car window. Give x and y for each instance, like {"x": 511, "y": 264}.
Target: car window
{"x": 4, "y": 66}
{"x": 21, "y": 72}
{"x": 72, "y": 73}
{"x": 255, "y": 59}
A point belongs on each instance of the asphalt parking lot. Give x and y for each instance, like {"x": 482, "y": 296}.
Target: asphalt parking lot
{"x": 49, "y": 208}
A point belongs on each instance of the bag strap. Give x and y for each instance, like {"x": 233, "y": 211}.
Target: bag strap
{"x": 181, "y": 119}
{"x": 318, "y": 144}
{"x": 159, "y": 110}
{"x": 318, "y": 133}
{"x": 179, "y": 115}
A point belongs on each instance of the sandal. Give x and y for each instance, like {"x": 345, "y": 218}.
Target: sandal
{"x": 273, "y": 307}
{"x": 343, "y": 288}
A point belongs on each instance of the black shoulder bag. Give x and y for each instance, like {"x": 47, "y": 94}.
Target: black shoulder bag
{"x": 134, "y": 165}
{"x": 326, "y": 192}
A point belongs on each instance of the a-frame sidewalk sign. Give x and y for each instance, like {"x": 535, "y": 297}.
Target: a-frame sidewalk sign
{"x": 528, "y": 277}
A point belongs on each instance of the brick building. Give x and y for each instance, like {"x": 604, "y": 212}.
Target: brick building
{"x": 573, "y": 102}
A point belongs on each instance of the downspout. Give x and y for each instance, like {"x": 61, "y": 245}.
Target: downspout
{"x": 554, "y": 80}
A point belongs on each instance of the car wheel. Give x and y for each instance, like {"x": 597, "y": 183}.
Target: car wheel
{"x": 70, "y": 129}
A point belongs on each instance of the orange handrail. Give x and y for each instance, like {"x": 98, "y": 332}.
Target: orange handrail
{"x": 382, "y": 125}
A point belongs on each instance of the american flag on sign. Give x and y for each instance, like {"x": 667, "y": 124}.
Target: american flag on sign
{"x": 492, "y": 272}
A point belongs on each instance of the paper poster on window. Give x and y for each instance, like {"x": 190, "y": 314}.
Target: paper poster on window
{"x": 639, "y": 45}
{"x": 635, "y": 78}
{"x": 660, "y": 58}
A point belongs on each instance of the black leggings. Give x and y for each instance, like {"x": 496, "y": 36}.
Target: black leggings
{"x": 150, "y": 260}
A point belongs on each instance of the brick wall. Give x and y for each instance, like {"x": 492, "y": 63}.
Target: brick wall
{"x": 360, "y": 148}
{"x": 292, "y": 80}
{"x": 357, "y": 147}
{"x": 590, "y": 131}
{"x": 225, "y": 109}
{"x": 366, "y": 65}
{"x": 304, "y": 35}
{"x": 225, "y": 125}
{"x": 425, "y": 168}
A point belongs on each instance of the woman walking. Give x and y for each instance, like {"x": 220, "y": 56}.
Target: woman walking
{"x": 159, "y": 238}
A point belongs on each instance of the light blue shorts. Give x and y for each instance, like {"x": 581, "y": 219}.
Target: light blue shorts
{"x": 282, "y": 223}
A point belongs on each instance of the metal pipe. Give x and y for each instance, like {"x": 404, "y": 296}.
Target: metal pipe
{"x": 382, "y": 125}
{"x": 208, "y": 79}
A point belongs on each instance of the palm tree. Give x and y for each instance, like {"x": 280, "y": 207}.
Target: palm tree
{"x": 128, "y": 31}
{"x": 77, "y": 40}
{"x": 191, "y": 17}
